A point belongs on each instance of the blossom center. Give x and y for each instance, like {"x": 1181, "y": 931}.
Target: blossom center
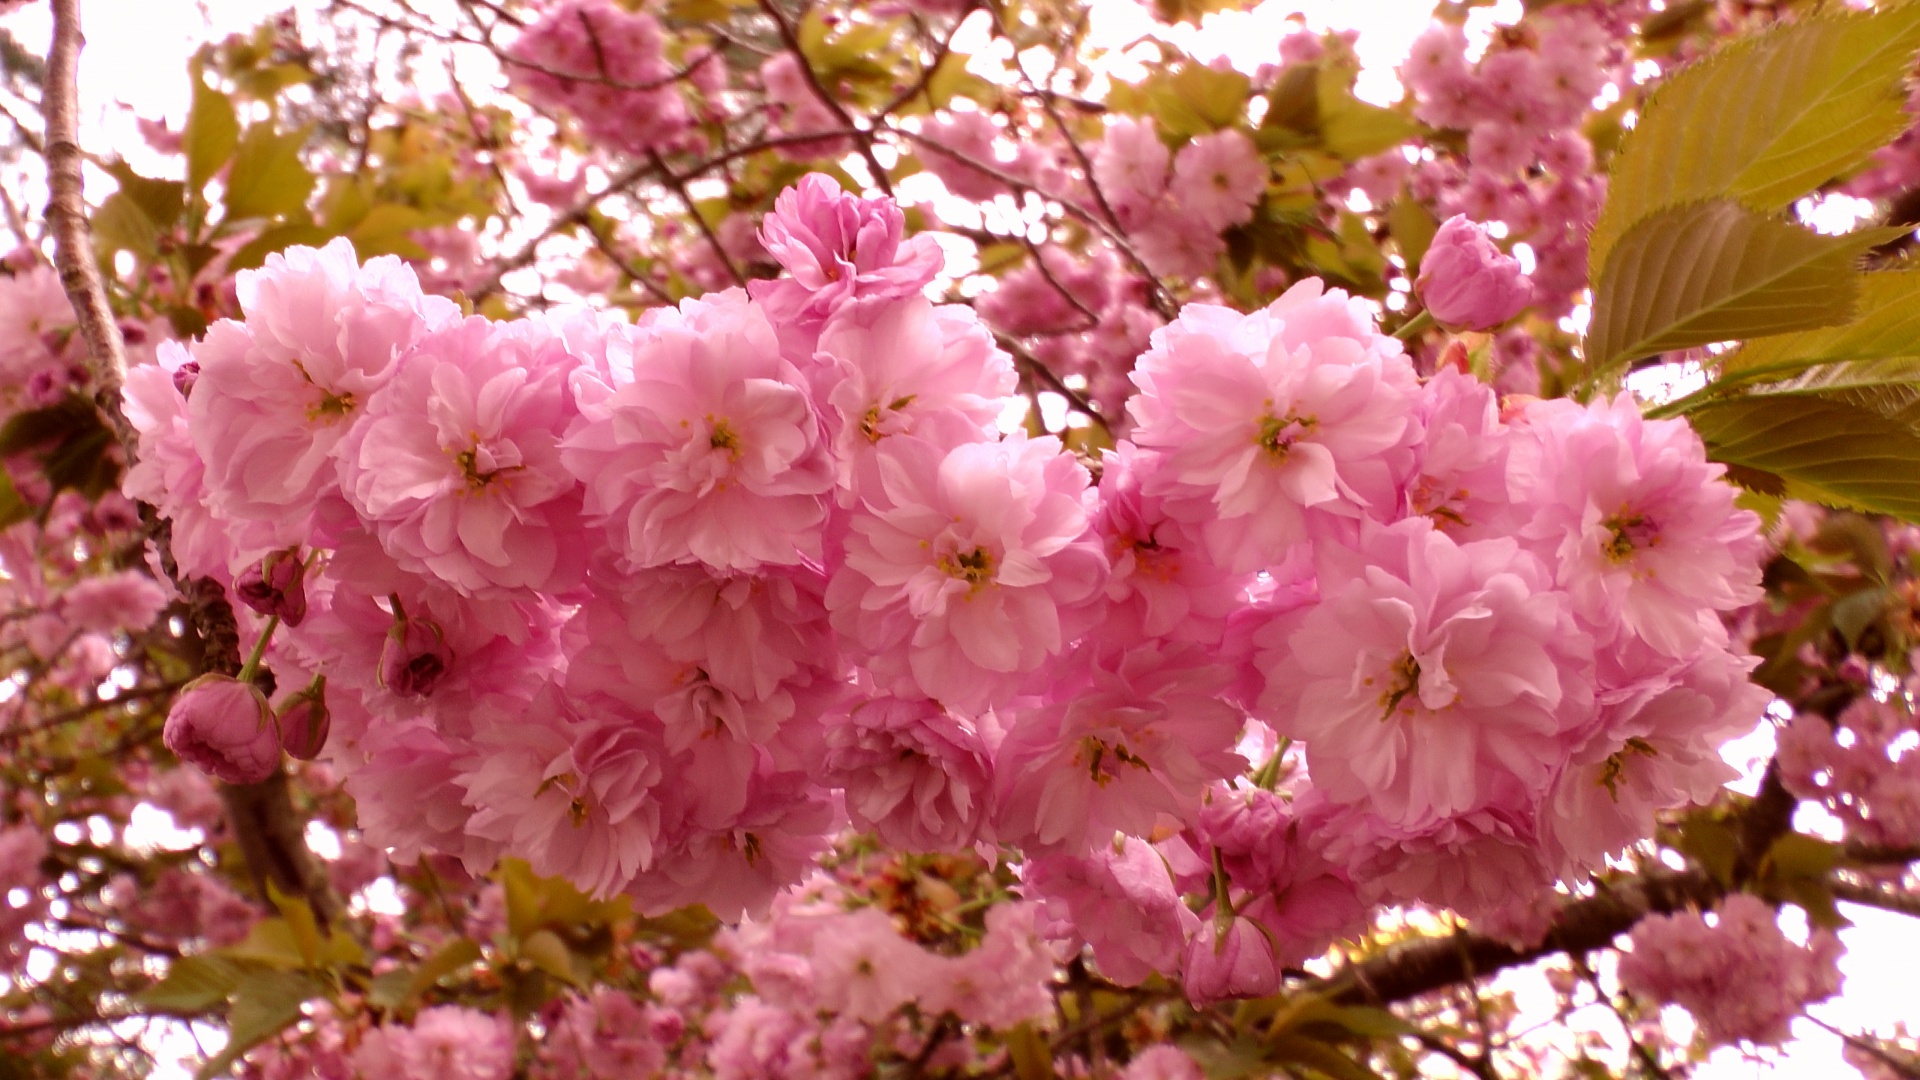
{"x": 1627, "y": 533}
{"x": 973, "y": 567}
{"x": 1616, "y": 764}
{"x": 1103, "y": 759}
{"x": 482, "y": 466}
{"x": 723, "y": 437}
{"x": 1277, "y": 434}
{"x": 1406, "y": 681}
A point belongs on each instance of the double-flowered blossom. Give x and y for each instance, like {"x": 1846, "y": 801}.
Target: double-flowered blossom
{"x": 1270, "y": 423}
{"x": 661, "y": 607}
{"x": 1740, "y": 976}
{"x": 700, "y": 444}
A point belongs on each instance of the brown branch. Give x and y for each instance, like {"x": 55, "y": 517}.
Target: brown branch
{"x": 1413, "y": 968}
{"x": 679, "y": 186}
{"x": 67, "y": 217}
{"x": 1032, "y": 365}
{"x": 863, "y": 137}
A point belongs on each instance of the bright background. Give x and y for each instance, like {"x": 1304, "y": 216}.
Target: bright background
{"x": 135, "y": 63}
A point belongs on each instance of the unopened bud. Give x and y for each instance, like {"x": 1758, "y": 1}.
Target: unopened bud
{"x": 415, "y": 657}
{"x": 225, "y": 727}
{"x": 276, "y": 585}
{"x": 305, "y": 721}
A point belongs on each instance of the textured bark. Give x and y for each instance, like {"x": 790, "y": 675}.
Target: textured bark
{"x": 270, "y": 832}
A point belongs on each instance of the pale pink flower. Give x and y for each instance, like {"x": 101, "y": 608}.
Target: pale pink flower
{"x": 1005, "y": 980}
{"x": 1740, "y": 977}
{"x": 408, "y": 801}
{"x": 1217, "y": 178}
{"x": 1263, "y": 419}
{"x": 1430, "y": 672}
{"x": 959, "y": 571}
{"x": 837, "y": 247}
{"x": 705, "y": 447}
{"x": 737, "y": 866}
{"x": 1162, "y": 584}
{"x": 1640, "y": 527}
{"x": 446, "y": 1042}
{"x": 1466, "y": 282}
{"x": 1130, "y": 166}
{"x": 906, "y": 367}
{"x": 1119, "y": 900}
{"x": 124, "y": 600}
{"x": 456, "y": 464}
{"x": 1117, "y": 741}
{"x": 968, "y": 141}
{"x": 917, "y": 775}
{"x": 1164, "y": 1061}
{"x": 275, "y": 395}
{"x": 605, "y": 64}
{"x": 572, "y": 796}
{"x": 864, "y": 969}
{"x": 1474, "y": 863}
{"x": 1459, "y": 478}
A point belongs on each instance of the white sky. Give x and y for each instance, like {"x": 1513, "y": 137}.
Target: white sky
{"x": 136, "y": 55}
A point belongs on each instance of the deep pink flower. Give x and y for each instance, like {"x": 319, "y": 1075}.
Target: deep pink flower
{"x": 705, "y": 448}
{"x": 837, "y": 247}
{"x": 124, "y": 600}
{"x": 1467, "y": 283}
{"x": 1121, "y": 902}
{"x": 1217, "y": 178}
{"x": 305, "y": 721}
{"x": 275, "y": 584}
{"x": 1236, "y": 964}
{"x": 1263, "y": 419}
{"x": 960, "y": 569}
{"x": 915, "y": 774}
{"x": 456, "y": 465}
{"x": 225, "y": 727}
{"x": 1429, "y": 674}
{"x": 415, "y": 658}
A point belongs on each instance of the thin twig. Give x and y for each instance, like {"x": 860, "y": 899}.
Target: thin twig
{"x": 864, "y": 136}
{"x": 679, "y": 187}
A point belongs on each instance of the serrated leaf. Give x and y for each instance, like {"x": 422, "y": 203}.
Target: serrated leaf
{"x": 161, "y": 200}
{"x": 1885, "y": 326}
{"x": 452, "y": 956}
{"x": 120, "y": 225}
{"x": 1319, "y": 1056}
{"x": 1815, "y": 97}
{"x": 1195, "y": 99}
{"x": 264, "y": 1004}
{"x": 1828, "y": 451}
{"x": 267, "y": 179}
{"x": 192, "y": 984}
{"x": 1717, "y": 271}
{"x": 212, "y": 133}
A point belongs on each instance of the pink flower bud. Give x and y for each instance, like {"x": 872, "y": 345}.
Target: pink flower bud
{"x": 1466, "y": 283}
{"x": 304, "y": 721}
{"x": 1240, "y": 964}
{"x": 276, "y": 585}
{"x": 225, "y": 727}
{"x": 415, "y": 657}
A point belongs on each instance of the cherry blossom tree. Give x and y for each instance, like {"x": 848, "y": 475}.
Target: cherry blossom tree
{"x": 583, "y": 539}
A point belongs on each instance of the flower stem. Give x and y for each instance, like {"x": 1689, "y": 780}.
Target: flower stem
{"x": 1415, "y": 326}
{"x": 259, "y": 650}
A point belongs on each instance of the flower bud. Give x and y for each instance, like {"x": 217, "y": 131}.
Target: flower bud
{"x": 276, "y": 585}
{"x": 305, "y": 721}
{"x": 1237, "y": 964}
{"x": 415, "y": 657}
{"x": 1466, "y": 283}
{"x": 225, "y": 727}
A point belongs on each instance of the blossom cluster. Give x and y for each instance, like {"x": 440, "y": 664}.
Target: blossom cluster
{"x": 1740, "y": 976}
{"x": 658, "y": 607}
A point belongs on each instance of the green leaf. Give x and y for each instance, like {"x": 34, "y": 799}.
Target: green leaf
{"x": 1028, "y": 1049}
{"x": 264, "y": 1004}
{"x": 268, "y": 179}
{"x": 279, "y": 238}
{"x": 13, "y": 508}
{"x": 951, "y": 79}
{"x": 1711, "y": 844}
{"x": 452, "y": 956}
{"x": 544, "y": 950}
{"x": 1195, "y": 99}
{"x": 192, "y": 984}
{"x": 212, "y": 133}
{"x": 271, "y": 941}
{"x": 1351, "y": 128}
{"x": 1717, "y": 271}
{"x": 1413, "y": 230}
{"x": 1830, "y": 451}
{"x": 121, "y": 225}
{"x": 161, "y": 200}
{"x": 1886, "y": 326}
{"x": 300, "y": 922}
{"x": 1318, "y": 1056}
{"x": 1814, "y": 98}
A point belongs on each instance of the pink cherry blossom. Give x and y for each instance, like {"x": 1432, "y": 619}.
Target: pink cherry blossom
{"x": 838, "y": 247}
{"x": 1121, "y": 902}
{"x": 1432, "y": 673}
{"x": 446, "y": 1042}
{"x": 225, "y": 727}
{"x": 704, "y": 448}
{"x": 1466, "y": 282}
{"x": 275, "y": 396}
{"x": 915, "y": 774}
{"x": 1641, "y": 530}
{"x": 963, "y": 572}
{"x": 1262, "y": 419}
{"x": 1218, "y": 177}
{"x": 456, "y": 465}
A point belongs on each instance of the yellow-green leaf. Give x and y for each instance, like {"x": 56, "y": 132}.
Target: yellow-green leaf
{"x": 211, "y": 135}
{"x": 1765, "y": 120}
{"x": 1718, "y": 271}
{"x": 1886, "y": 326}
{"x": 267, "y": 178}
{"x": 1830, "y": 451}
{"x": 452, "y": 956}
